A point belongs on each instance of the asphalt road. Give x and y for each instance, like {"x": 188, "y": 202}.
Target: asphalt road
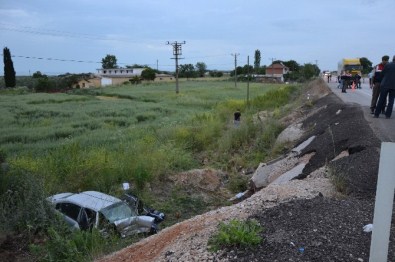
{"x": 384, "y": 128}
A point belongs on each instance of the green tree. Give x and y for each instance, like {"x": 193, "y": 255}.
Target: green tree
{"x": 309, "y": 71}
{"x": 136, "y": 66}
{"x": 201, "y": 68}
{"x": 366, "y": 65}
{"x": 292, "y": 65}
{"x": 187, "y": 71}
{"x": 9, "y": 72}
{"x": 257, "y": 60}
{"x": 38, "y": 74}
{"x": 277, "y": 61}
{"x": 216, "y": 73}
{"x": 261, "y": 70}
{"x": 110, "y": 61}
{"x": 43, "y": 85}
{"x": 148, "y": 74}
{"x": 68, "y": 80}
{"x": 247, "y": 69}
{"x": 135, "y": 80}
{"x": 239, "y": 71}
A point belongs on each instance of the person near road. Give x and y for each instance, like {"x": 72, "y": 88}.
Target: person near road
{"x": 358, "y": 81}
{"x": 376, "y": 79}
{"x": 370, "y": 75}
{"x": 387, "y": 87}
{"x": 345, "y": 81}
{"x": 329, "y": 77}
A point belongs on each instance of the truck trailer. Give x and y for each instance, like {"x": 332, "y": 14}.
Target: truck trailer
{"x": 350, "y": 65}
{"x": 350, "y": 72}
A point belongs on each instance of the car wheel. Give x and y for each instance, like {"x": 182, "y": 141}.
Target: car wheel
{"x": 154, "y": 229}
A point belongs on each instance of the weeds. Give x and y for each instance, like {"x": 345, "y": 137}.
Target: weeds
{"x": 20, "y": 191}
{"x": 63, "y": 245}
{"x": 338, "y": 180}
{"x": 76, "y": 142}
{"x": 340, "y": 184}
{"x": 236, "y": 233}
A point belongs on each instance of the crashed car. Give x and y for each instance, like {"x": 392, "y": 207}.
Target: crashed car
{"x": 92, "y": 209}
{"x": 136, "y": 204}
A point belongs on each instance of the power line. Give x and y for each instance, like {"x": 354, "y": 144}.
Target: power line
{"x": 98, "y": 62}
{"x": 69, "y": 60}
{"x": 58, "y": 33}
{"x": 55, "y": 59}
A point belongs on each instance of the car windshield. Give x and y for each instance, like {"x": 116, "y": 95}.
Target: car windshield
{"x": 117, "y": 211}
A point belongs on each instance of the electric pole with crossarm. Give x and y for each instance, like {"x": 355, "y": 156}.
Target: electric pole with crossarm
{"x": 176, "y": 52}
{"x": 235, "y": 55}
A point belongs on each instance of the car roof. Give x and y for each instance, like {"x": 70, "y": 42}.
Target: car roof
{"x": 89, "y": 199}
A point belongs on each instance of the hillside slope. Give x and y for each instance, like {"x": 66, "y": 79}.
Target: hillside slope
{"x": 304, "y": 219}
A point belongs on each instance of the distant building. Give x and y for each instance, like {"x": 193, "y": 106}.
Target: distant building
{"x": 164, "y": 78}
{"x": 117, "y": 76}
{"x": 88, "y": 82}
{"x": 276, "y": 71}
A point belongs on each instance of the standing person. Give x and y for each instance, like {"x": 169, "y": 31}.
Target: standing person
{"x": 345, "y": 79}
{"x": 358, "y": 81}
{"x": 370, "y": 75}
{"x": 387, "y": 87}
{"x": 339, "y": 80}
{"x": 237, "y": 116}
{"x": 376, "y": 79}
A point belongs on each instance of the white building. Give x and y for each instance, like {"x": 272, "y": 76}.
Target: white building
{"x": 116, "y": 76}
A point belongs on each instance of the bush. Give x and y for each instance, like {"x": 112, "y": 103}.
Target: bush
{"x": 274, "y": 98}
{"x": 236, "y": 233}
{"x": 23, "y": 207}
{"x": 237, "y": 183}
{"x": 76, "y": 246}
{"x": 43, "y": 85}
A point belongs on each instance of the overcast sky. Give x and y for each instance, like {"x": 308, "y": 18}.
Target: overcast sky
{"x": 136, "y": 32}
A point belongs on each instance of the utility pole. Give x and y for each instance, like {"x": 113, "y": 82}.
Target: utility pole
{"x": 157, "y": 62}
{"x": 248, "y": 80}
{"x": 235, "y": 55}
{"x": 176, "y": 52}
{"x": 272, "y": 65}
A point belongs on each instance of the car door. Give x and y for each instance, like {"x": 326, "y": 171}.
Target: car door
{"x": 70, "y": 212}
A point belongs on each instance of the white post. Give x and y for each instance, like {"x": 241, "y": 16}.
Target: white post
{"x": 383, "y": 204}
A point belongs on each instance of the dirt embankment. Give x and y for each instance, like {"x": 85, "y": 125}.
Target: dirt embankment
{"x": 304, "y": 219}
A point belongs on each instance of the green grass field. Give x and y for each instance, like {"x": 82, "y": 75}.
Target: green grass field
{"x": 95, "y": 138}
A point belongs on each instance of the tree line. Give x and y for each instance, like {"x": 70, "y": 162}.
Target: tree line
{"x": 41, "y": 82}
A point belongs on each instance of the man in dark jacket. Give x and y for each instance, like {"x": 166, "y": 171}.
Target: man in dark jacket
{"x": 387, "y": 87}
{"x": 376, "y": 79}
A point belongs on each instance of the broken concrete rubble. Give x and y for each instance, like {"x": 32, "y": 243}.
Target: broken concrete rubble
{"x": 284, "y": 169}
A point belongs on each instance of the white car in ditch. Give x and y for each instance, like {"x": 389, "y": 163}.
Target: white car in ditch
{"x": 92, "y": 209}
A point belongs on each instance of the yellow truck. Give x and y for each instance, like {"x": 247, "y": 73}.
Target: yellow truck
{"x": 350, "y": 71}
{"x": 350, "y": 65}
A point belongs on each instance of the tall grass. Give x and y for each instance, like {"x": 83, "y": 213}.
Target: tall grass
{"x": 98, "y": 137}
{"x": 95, "y": 139}
{"x": 236, "y": 234}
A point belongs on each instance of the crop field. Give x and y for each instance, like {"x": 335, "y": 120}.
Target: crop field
{"x": 97, "y": 138}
